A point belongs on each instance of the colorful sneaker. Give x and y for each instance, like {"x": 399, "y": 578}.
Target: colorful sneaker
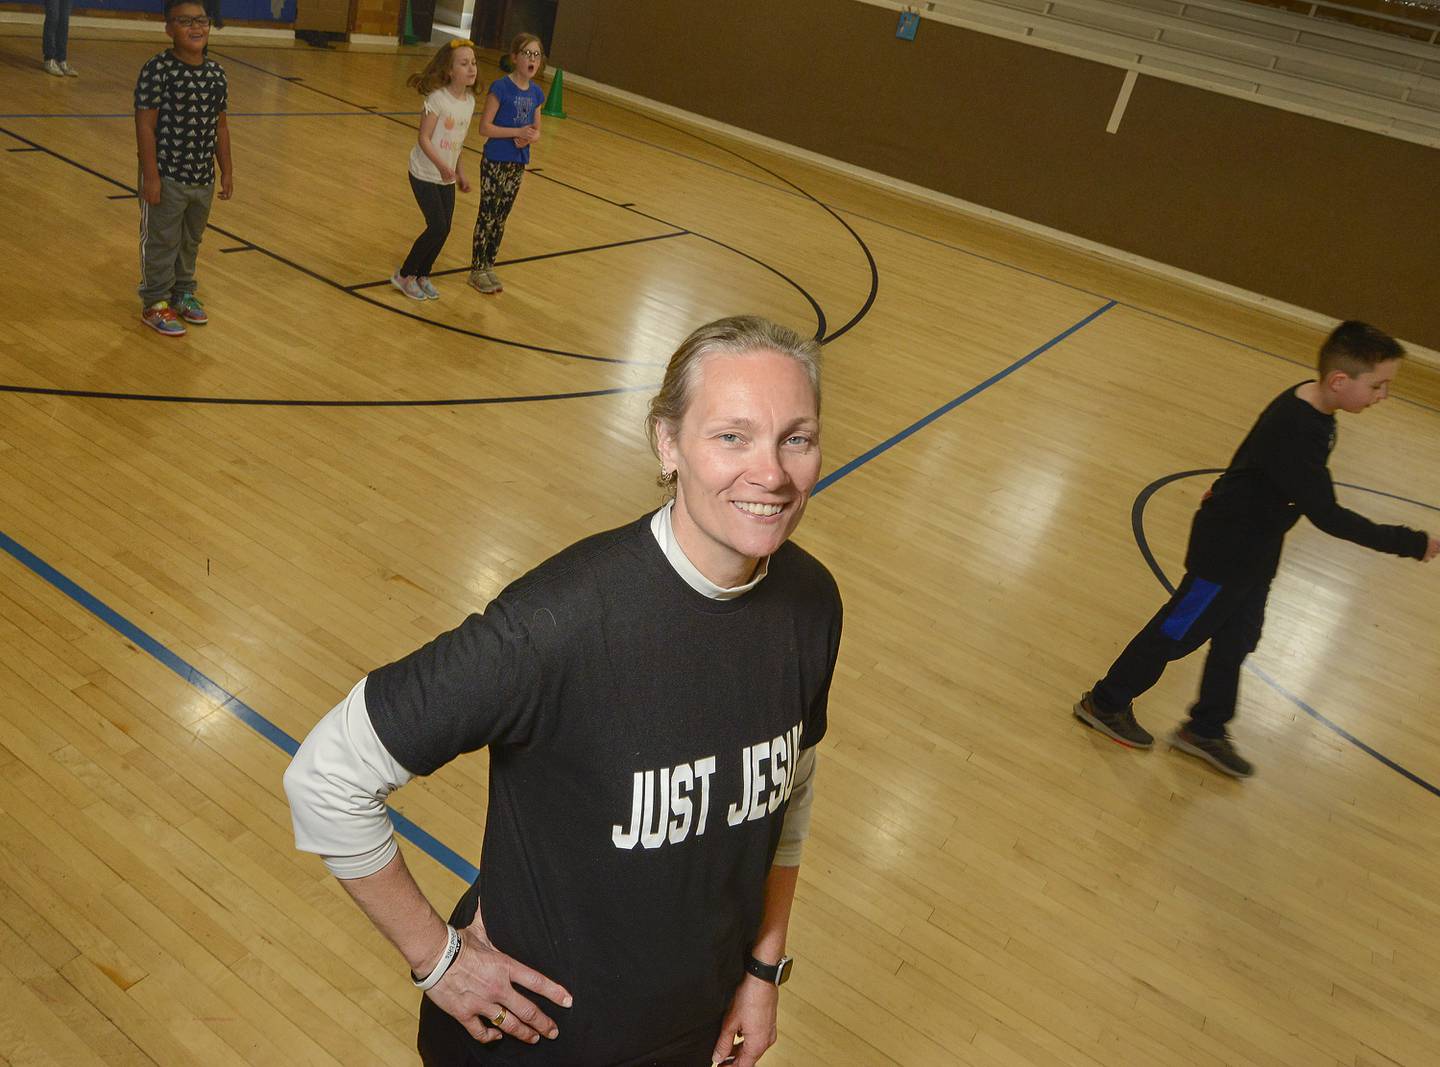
{"x": 161, "y": 318}
{"x": 484, "y": 281}
{"x": 1219, "y": 752}
{"x": 189, "y": 308}
{"x": 67, "y": 70}
{"x": 52, "y": 67}
{"x": 428, "y": 289}
{"x": 407, "y": 286}
{"x": 1117, "y": 725}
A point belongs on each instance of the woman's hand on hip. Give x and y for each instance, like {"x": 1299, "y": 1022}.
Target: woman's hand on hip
{"x": 480, "y": 991}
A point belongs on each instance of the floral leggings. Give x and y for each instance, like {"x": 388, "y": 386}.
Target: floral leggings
{"x": 499, "y": 182}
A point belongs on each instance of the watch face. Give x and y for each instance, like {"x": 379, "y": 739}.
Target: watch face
{"x": 782, "y": 970}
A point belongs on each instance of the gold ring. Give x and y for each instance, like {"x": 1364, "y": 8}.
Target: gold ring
{"x": 499, "y": 1020}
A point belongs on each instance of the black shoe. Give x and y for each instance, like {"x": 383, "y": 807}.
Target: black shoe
{"x": 1219, "y": 752}
{"x": 1117, "y": 725}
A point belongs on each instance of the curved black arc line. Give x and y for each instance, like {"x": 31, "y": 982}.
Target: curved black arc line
{"x": 1137, "y": 524}
{"x": 870, "y": 258}
{"x": 248, "y": 401}
{"x": 821, "y": 336}
{"x": 814, "y": 304}
{"x": 1137, "y": 519}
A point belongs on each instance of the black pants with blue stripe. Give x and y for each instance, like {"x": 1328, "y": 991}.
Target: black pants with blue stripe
{"x": 1229, "y": 615}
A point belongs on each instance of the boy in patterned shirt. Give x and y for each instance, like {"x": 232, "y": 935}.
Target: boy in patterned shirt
{"x": 180, "y": 130}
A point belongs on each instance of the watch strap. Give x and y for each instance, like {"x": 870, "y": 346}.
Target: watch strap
{"x": 774, "y": 973}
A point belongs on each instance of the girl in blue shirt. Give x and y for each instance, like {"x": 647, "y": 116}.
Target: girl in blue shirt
{"x": 511, "y": 122}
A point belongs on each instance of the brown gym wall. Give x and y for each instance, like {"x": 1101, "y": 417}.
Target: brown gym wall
{"x": 1310, "y": 212}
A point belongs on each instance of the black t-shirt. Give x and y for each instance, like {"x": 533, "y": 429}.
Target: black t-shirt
{"x": 190, "y": 101}
{"x": 641, "y": 740}
{"x": 1279, "y": 473}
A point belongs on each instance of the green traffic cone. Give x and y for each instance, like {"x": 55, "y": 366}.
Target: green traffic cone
{"x": 555, "y": 100}
{"x": 407, "y": 35}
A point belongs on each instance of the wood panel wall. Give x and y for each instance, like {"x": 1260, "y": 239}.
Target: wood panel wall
{"x": 1338, "y": 220}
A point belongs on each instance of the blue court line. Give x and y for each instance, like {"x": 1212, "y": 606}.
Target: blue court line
{"x": 961, "y": 249}
{"x": 885, "y": 446}
{"x": 1337, "y": 728}
{"x": 1137, "y": 525}
{"x": 227, "y": 700}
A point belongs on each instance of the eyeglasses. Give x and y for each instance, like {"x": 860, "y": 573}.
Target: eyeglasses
{"x": 200, "y": 22}
{"x": 531, "y": 53}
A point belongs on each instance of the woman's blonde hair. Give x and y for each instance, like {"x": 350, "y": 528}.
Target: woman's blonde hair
{"x": 436, "y": 74}
{"x": 734, "y": 336}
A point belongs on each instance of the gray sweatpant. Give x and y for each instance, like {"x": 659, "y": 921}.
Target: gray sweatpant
{"x": 170, "y": 233}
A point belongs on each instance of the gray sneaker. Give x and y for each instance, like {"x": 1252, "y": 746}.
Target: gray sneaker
{"x": 495, "y": 281}
{"x": 1219, "y": 752}
{"x": 407, "y": 286}
{"x": 429, "y": 290}
{"x": 1117, "y": 725}
{"x": 67, "y": 70}
{"x": 52, "y": 67}
{"x": 484, "y": 281}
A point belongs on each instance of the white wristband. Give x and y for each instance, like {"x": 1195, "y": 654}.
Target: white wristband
{"x": 452, "y": 949}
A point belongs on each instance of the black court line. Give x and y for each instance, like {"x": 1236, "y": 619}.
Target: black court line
{"x": 22, "y": 149}
{"x": 1137, "y": 526}
{"x": 238, "y": 248}
{"x": 869, "y": 256}
{"x": 532, "y": 259}
{"x": 231, "y": 114}
{"x": 280, "y": 402}
{"x": 815, "y": 307}
{"x": 317, "y": 276}
{"x": 961, "y": 249}
{"x": 821, "y": 334}
{"x": 126, "y": 196}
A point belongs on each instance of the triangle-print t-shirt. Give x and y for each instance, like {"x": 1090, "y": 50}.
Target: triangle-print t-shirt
{"x": 190, "y": 101}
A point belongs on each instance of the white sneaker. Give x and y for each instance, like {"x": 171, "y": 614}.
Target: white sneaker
{"x": 408, "y": 287}
{"x": 67, "y": 70}
{"x": 427, "y": 288}
{"x": 52, "y": 67}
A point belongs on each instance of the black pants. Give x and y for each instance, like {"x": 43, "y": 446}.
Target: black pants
{"x": 1229, "y": 616}
{"x": 437, "y": 204}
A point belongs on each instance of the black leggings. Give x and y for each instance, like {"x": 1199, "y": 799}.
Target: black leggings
{"x": 437, "y": 204}
{"x": 1229, "y": 616}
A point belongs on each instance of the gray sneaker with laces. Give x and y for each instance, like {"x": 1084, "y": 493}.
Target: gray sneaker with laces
{"x": 1119, "y": 726}
{"x": 1219, "y": 752}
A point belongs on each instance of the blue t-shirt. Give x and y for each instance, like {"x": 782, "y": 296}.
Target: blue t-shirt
{"x": 517, "y": 109}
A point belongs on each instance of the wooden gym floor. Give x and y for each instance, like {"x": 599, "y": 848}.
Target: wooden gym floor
{"x": 208, "y": 540}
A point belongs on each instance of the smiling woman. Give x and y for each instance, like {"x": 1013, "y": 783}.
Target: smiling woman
{"x": 736, "y": 425}
{"x": 651, "y": 698}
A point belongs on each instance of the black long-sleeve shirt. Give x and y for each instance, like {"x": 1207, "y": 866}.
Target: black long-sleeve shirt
{"x": 1279, "y": 473}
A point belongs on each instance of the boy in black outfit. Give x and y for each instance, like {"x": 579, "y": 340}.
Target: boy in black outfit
{"x": 1278, "y": 474}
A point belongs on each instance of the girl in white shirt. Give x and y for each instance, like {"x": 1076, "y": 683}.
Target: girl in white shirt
{"x": 448, "y": 85}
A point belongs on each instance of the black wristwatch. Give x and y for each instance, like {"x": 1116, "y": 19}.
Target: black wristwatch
{"x": 775, "y": 974}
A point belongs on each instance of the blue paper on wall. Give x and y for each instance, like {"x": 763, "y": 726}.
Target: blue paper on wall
{"x": 909, "y": 23}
